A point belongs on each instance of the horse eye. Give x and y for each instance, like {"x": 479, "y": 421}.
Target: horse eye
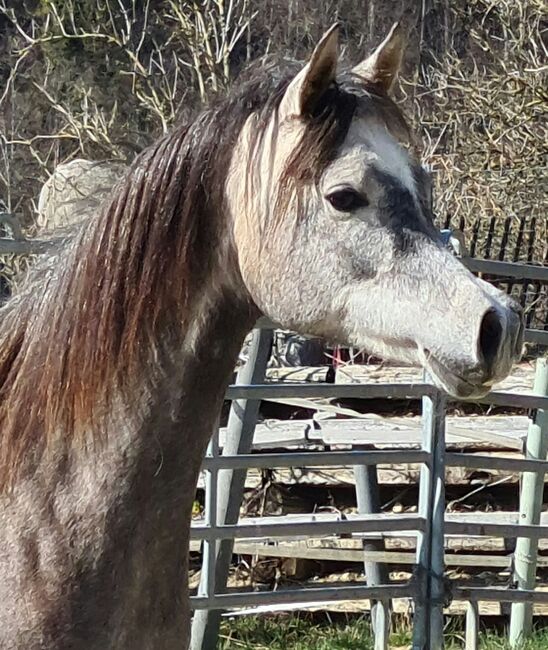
{"x": 347, "y": 200}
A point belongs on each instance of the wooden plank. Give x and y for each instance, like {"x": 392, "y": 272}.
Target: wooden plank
{"x": 519, "y": 381}
{"x": 504, "y": 432}
{"x": 301, "y": 373}
{"x": 499, "y": 431}
{"x": 303, "y": 550}
{"x": 407, "y": 542}
{"x": 276, "y": 434}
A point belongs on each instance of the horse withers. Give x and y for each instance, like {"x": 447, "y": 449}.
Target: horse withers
{"x": 299, "y": 197}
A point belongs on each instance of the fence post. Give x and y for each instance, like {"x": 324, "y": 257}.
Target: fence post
{"x": 230, "y": 484}
{"x": 209, "y": 548}
{"x": 367, "y": 496}
{"x": 531, "y": 496}
{"x": 472, "y": 625}
{"x": 428, "y": 622}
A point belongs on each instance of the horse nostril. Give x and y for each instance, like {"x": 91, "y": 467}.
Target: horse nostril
{"x": 490, "y": 338}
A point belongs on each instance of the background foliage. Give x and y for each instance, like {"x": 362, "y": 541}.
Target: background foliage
{"x": 101, "y": 78}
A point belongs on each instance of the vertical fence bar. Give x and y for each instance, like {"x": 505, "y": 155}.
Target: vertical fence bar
{"x": 368, "y": 501}
{"x": 428, "y": 622}
{"x": 472, "y": 626}
{"x": 531, "y": 496}
{"x": 437, "y": 405}
{"x": 230, "y": 484}
{"x": 209, "y": 548}
{"x": 421, "y": 631}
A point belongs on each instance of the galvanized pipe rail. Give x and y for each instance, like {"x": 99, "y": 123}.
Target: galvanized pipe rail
{"x": 531, "y": 496}
{"x": 305, "y": 596}
{"x": 311, "y": 458}
{"x": 428, "y": 624}
{"x": 363, "y": 524}
{"x": 368, "y": 502}
{"x": 375, "y": 391}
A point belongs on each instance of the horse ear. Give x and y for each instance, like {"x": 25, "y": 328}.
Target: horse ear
{"x": 382, "y": 66}
{"x": 307, "y": 88}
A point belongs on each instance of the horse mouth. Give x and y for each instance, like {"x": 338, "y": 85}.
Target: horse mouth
{"x": 452, "y": 382}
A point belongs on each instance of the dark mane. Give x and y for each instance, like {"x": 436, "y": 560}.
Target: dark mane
{"x": 90, "y": 320}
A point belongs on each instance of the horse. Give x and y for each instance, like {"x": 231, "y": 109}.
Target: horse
{"x": 299, "y": 196}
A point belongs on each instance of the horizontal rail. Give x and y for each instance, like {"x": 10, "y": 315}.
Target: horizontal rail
{"x": 501, "y": 594}
{"x": 495, "y": 530}
{"x": 539, "y": 337}
{"x": 359, "y": 592}
{"x": 372, "y": 523}
{"x": 338, "y": 554}
{"x": 373, "y": 391}
{"x": 26, "y": 246}
{"x": 304, "y": 596}
{"x": 311, "y": 458}
{"x": 329, "y": 391}
{"x": 348, "y": 458}
{"x": 457, "y": 459}
{"x": 518, "y": 400}
{"x": 514, "y": 270}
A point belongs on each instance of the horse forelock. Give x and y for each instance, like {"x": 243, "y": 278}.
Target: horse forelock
{"x": 309, "y": 148}
{"x": 88, "y": 324}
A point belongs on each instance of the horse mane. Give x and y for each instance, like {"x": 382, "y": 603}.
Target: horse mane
{"x": 88, "y": 319}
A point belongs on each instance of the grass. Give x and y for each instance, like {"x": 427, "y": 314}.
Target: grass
{"x": 294, "y": 632}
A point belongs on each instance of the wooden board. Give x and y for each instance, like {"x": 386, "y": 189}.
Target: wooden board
{"x": 519, "y": 381}
{"x": 275, "y": 434}
{"x": 504, "y": 432}
{"x": 304, "y": 550}
{"x": 300, "y": 374}
{"x": 496, "y": 431}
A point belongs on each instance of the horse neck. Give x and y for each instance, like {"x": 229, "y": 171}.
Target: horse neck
{"x": 119, "y": 516}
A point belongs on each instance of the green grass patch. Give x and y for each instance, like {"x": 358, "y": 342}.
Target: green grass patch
{"x": 302, "y": 632}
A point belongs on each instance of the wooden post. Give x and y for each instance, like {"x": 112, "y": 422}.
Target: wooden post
{"x": 230, "y": 485}
{"x": 531, "y": 495}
